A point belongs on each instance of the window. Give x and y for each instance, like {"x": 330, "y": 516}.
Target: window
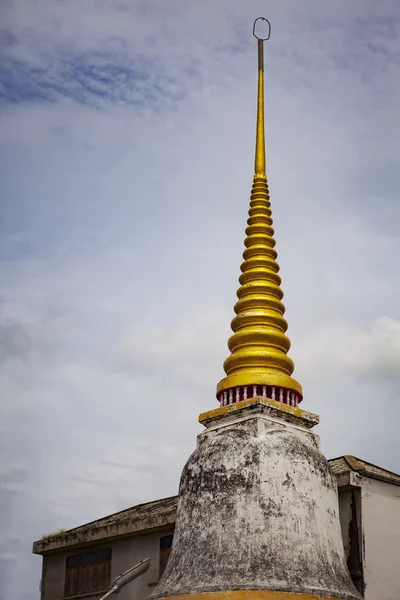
{"x": 89, "y": 572}
{"x": 165, "y": 551}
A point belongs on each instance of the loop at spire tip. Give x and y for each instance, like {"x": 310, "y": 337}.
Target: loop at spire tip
{"x": 265, "y": 39}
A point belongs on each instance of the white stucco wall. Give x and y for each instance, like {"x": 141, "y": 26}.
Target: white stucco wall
{"x": 53, "y": 577}
{"x": 381, "y": 526}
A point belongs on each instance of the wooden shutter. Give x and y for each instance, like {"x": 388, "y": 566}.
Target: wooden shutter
{"x": 89, "y": 572}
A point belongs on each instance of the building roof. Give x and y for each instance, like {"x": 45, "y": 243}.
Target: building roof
{"x": 150, "y": 515}
{"x": 346, "y": 463}
{"x": 162, "y": 513}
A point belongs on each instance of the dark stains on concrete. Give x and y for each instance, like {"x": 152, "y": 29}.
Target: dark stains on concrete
{"x": 248, "y": 519}
{"x": 288, "y": 481}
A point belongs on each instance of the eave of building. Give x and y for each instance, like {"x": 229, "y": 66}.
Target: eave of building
{"x": 160, "y": 514}
{"x": 346, "y": 463}
{"x": 156, "y": 515}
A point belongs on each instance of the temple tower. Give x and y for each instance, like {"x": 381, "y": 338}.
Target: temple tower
{"x": 258, "y": 514}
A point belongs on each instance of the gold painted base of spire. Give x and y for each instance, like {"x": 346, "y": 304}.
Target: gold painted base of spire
{"x": 273, "y": 407}
{"x": 250, "y": 595}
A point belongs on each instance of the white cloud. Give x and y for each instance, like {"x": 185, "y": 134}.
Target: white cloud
{"x": 373, "y": 352}
{"x": 186, "y": 352}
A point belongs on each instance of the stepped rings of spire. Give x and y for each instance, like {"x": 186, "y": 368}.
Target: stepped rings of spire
{"x": 259, "y": 363}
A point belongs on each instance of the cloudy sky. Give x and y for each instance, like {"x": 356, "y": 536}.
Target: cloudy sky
{"x": 127, "y": 135}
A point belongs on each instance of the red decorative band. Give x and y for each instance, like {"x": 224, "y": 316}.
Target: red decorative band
{"x": 279, "y": 394}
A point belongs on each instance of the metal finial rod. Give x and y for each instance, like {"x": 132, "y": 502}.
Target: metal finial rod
{"x": 261, "y": 42}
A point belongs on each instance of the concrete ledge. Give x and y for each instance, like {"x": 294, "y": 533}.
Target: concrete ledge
{"x": 259, "y": 404}
{"x": 250, "y": 595}
{"x": 348, "y": 480}
{"x": 83, "y": 596}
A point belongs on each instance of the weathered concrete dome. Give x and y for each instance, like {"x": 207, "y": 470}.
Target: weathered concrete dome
{"x": 258, "y": 510}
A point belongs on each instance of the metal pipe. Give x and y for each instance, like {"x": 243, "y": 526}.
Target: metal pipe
{"x": 129, "y": 575}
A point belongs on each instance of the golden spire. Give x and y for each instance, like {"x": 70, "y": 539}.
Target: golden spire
{"x": 259, "y": 364}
